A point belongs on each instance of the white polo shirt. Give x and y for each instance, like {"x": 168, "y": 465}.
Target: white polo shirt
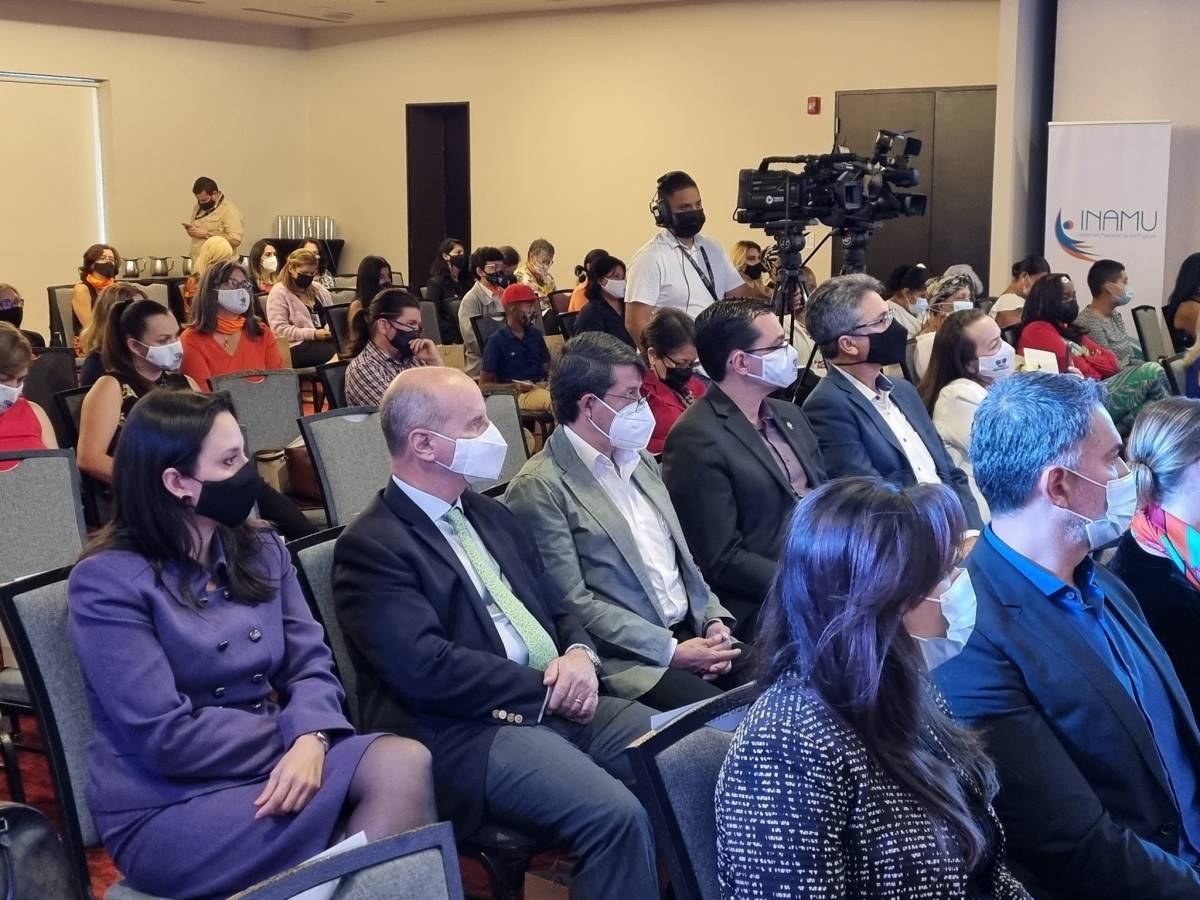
{"x": 661, "y": 275}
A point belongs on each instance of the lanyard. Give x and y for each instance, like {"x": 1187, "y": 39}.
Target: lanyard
{"x": 709, "y": 282}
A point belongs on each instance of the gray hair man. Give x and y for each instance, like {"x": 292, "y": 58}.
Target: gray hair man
{"x": 612, "y": 543}
{"x": 449, "y": 620}
{"x": 866, "y": 423}
{"x": 1095, "y": 745}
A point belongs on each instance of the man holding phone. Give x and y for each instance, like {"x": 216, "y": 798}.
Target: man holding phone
{"x": 213, "y": 214}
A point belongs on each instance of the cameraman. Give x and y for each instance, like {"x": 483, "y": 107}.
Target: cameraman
{"x": 679, "y": 268}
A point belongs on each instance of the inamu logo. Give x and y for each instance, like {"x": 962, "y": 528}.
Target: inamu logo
{"x": 1094, "y": 222}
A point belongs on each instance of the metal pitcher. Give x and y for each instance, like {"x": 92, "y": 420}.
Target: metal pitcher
{"x": 185, "y": 266}
{"x": 161, "y": 266}
{"x": 132, "y": 268}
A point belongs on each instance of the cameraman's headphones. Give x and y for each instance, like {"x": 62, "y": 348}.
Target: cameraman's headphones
{"x": 659, "y": 208}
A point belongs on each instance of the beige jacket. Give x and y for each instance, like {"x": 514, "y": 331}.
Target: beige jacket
{"x": 224, "y": 219}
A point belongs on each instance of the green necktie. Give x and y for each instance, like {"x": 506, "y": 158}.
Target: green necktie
{"x": 539, "y": 643}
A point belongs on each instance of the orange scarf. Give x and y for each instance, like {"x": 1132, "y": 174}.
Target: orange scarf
{"x": 230, "y": 324}
{"x": 99, "y": 282}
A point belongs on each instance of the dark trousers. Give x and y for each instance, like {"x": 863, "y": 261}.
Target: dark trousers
{"x": 307, "y": 354}
{"x": 569, "y": 781}
{"x": 681, "y": 687}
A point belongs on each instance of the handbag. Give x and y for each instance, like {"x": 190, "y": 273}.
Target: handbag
{"x": 301, "y": 475}
{"x": 33, "y": 863}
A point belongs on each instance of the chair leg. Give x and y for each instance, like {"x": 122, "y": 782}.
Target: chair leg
{"x": 507, "y": 876}
{"x": 12, "y": 768}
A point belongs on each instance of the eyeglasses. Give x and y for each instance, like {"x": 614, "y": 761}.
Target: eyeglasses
{"x": 401, "y": 325}
{"x": 676, "y": 364}
{"x": 12, "y": 304}
{"x": 641, "y": 399}
{"x": 770, "y": 349}
{"x": 885, "y": 320}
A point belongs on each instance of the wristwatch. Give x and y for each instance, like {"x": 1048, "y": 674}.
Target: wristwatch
{"x": 591, "y": 654}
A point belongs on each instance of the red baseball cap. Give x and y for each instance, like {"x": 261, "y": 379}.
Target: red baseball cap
{"x": 518, "y": 293}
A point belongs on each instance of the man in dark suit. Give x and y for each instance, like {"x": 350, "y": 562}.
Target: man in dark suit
{"x": 737, "y": 461}
{"x": 866, "y": 423}
{"x": 442, "y": 595}
{"x": 1094, "y": 741}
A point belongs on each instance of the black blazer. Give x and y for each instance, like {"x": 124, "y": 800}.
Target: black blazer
{"x": 442, "y": 290}
{"x": 423, "y": 644}
{"x": 856, "y": 441}
{"x": 597, "y": 315}
{"x": 1083, "y": 796}
{"x": 1171, "y": 606}
{"x": 733, "y": 500}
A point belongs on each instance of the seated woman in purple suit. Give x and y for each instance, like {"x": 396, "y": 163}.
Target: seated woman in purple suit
{"x": 220, "y": 756}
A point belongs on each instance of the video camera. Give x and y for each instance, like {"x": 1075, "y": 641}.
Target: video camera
{"x": 849, "y": 193}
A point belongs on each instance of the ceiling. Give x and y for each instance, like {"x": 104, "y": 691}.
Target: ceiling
{"x": 322, "y": 14}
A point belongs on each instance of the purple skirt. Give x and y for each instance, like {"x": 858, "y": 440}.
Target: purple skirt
{"x": 211, "y": 845}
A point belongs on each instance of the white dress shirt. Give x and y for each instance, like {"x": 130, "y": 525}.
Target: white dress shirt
{"x": 660, "y": 274}
{"x": 653, "y": 538}
{"x": 919, "y": 459}
{"x": 436, "y": 509}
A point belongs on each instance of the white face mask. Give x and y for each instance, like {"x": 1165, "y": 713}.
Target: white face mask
{"x": 779, "y": 367}
{"x": 631, "y": 427}
{"x": 959, "y": 609}
{"x": 920, "y": 306}
{"x": 1120, "y": 496}
{"x": 479, "y": 458}
{"x": 615, "y": 287}
{"x": 270, "y": 264}
{"x": 10, "y": 395}
{"x": 962, "y": 305}
{"x": 233, "y": 300}
{"x": 165, "y": 356}
{"x": 1000, "y": 365}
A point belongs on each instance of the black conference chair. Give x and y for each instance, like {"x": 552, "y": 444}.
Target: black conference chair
{"x": 333, "y": 380}
{"x": 51, "y": 372}
{"x": 566, "y": 324}
{"x": 676, "y": 768}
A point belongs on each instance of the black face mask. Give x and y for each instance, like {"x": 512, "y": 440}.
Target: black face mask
{"x": 206, "y": 207}
{"x": 304, "y": 280}
{"x": 1070, "y": 311}
{"x": 677, "y": 378}
{"x": 230, "y": 500}
{"x": 402, "y": 340}
{"x": 887, "y": 348}
{"x": 458, "y": 260}
{"x": 105, "y": 269}
{"x": 688, "y": 224}
{"x": 754, "y": 272}
{"x": 13, "y": 315}
{"x": 499, "y": 279}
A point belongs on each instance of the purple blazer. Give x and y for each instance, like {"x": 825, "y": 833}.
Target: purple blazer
{"x": 185, "y": 702}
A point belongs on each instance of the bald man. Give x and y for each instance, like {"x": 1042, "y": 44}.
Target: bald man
{"x": 457, "y": 638}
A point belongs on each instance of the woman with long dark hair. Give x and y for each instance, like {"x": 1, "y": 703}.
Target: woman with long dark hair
{"x": 848, "y": 778}
{"x": 969, "y": 355}
{"x": 579, "y": 293}
{"x": 221, "y": 755}
{"x": 224, "y": 334}
{"x": 1183, "y": 306}
{"x": 605, "y": 291}
{"x": 1048, "y": 323}
{"x": 449, "y": 279}
{"x": 264, "y": 265}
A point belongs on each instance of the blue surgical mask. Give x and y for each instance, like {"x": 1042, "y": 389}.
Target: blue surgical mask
{"x": 920, "y": 306}
{"x": 1125, "y": 297}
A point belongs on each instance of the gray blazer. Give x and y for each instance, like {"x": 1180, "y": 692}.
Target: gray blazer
{"x": 592, "y": 560}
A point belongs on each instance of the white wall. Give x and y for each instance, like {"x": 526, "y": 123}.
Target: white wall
{"x": 1115, "y": 61}
{"x": 575, "y": 115}
{"x": 173, "y": 108}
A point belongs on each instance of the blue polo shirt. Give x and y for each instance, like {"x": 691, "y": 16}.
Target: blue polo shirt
{"x": 510, "y": 358}
{"x": 1128, "y": 662}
